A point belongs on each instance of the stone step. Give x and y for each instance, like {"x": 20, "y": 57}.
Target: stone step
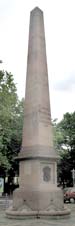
{"x": 5, "y": 203}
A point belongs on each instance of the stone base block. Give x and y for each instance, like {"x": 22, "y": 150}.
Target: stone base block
{"x": 25, "y": 214}
{"x": 38, "y": 199}
{"x": 38, "y": 204}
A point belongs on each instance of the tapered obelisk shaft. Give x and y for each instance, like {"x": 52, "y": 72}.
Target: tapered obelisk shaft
{"x": 37, "y": 132}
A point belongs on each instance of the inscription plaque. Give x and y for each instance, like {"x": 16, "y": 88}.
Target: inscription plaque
{"x": 46, "y": 173}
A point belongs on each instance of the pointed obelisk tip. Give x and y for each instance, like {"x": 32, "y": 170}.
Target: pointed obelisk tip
{"x": 36, "y": 9}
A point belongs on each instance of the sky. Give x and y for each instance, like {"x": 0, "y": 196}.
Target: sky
{"x": 59, "y": 22}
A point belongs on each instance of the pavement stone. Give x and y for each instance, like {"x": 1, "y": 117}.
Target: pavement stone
{"x": 70, "y": 221}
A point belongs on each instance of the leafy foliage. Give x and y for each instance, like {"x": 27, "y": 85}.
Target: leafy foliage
{"x": 65, "y": 143}
{"x": 11, "y": 121}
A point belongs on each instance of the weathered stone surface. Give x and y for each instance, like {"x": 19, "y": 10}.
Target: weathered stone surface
{"x": 38, "y": 194}
{"x": 37, "y": 129}
{"x": 39, "y": 199}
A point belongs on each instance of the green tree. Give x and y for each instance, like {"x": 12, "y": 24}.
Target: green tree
{"x": 11, "y": 121}
{"x": 65, "y": 143}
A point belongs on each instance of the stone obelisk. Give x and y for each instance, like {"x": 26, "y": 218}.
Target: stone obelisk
{"x": 38, "y": 194}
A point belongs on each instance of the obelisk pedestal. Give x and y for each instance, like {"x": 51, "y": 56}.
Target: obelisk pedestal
{"x": 38, "y": 195}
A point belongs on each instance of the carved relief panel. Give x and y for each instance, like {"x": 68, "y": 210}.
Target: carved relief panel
{"x": 46, "y": 173}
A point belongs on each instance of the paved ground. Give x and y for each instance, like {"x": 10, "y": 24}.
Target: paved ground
{"x": 59, "y": 222}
